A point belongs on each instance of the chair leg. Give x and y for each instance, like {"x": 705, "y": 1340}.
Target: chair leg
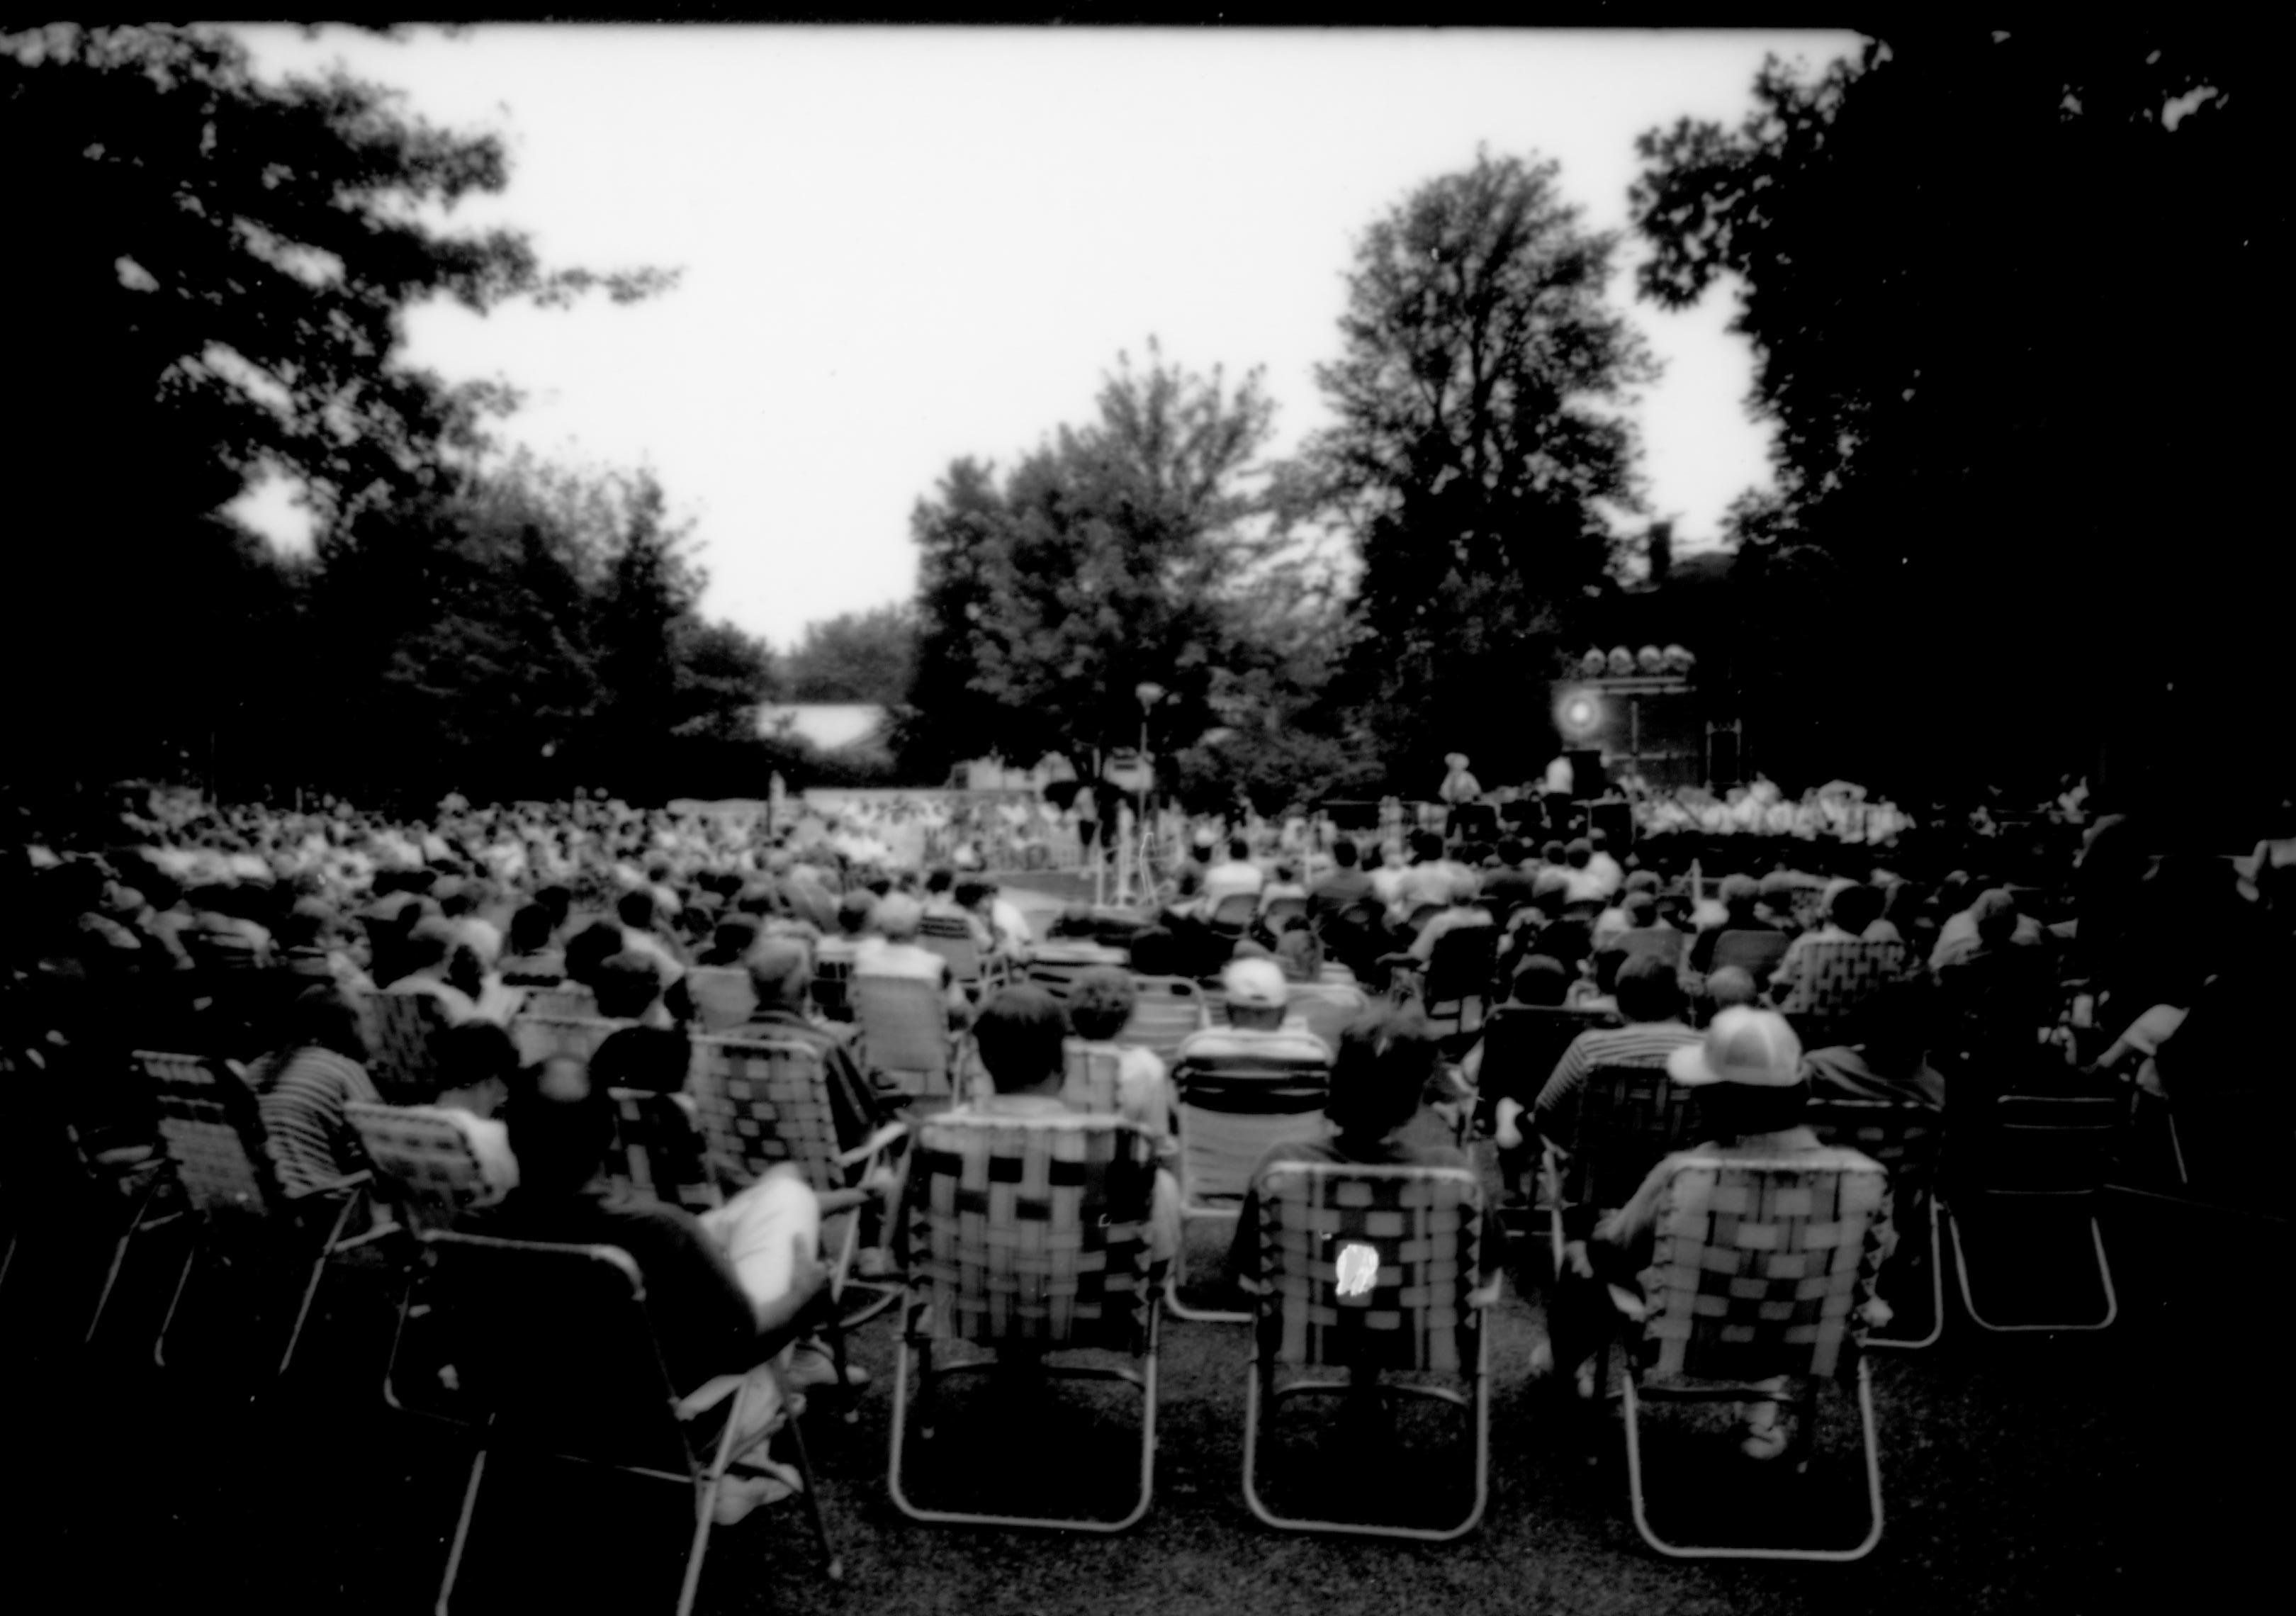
{"x": 462, "y": 1528}
{"x": 832, "y": 1566}
{"x": 1937, "y": 1291}
{"x": 119, "y": 1258}
{"x": 705, "y": 1502}
{"x": 318, "y": 1272}
{"x": 191, "y": 1258}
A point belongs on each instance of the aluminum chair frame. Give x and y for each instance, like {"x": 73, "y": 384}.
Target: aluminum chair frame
{"x": 1279, "y": 1325}
{"x": 1831, "y": 1117}
{"x": 215, "y": 1155}
{"x": 2101, "y": 1105}
{"x": 765, "y": 1101}
{"x": 400, "y": 1029}
{"x": 705, "y": 1476}
{"x": 941, "y": 1207}
{"x": 1569, "y": 1179}
{"x": 1210, "y": 1133}
{"x": 1672, "y": 1329}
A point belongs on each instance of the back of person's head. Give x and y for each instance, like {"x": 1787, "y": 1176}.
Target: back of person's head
{"x": 1648, "y": 990}
{"x": 1513, "y": 850}
{"x": 531, "y": 927}
{"x": 1607, "y": 966}
{"x": 1578, "y": 852}
{"x": 590, "y": 948}
{"x": 1540, "y": 980}
{"x": 473, "y": 1054}
{"x": 972, "y": 892}
{"x": 1380, "y": 1072}
{"x": 636, "y": 910}
{"x": 1020, "y": 1034}
{"x": 458, "y": 900}
{"x": 1739, "y": 894}
{"x": 558, "y": 901}
{"x": 627, "y": 985}
{"x": 1238, "y": 848}
{"x": 781, "y": 970}
{"x": 1856, "y": 907}
{"x": 941, "y": 879}
{"x": 1156, "y": 951}
{"x": 560, "y": 1125}
{"x": 1731, "y": 985}
{"x": 1100, "y": 1004}
{"x": 322, "y": 1017}
{"x": 1345, "y": 854}
{"x": 853, "y": 911}
{"x": 897, "y": 917}
{"x": 1551, "y": 852}
{"x": 1640, "y": 910}
{"x": 1996, "y": 917}
{"x": 1426, "y": 847}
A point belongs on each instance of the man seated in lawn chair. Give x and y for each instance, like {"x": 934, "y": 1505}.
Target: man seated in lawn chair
{"x": 1386, "y": 1059}
{"x": 1752, "y": 1095}
{"x": 1022, "y": 1037}
{"x": 725, "y": 1292}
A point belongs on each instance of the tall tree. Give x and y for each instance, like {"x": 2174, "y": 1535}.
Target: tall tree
{"x": 856, "y": 656}
{"x": 1105, "y": 561}
{"x": 210, "y": 276}
{"x": 2007, "y": 294}
{"x": 1479, "y": 453}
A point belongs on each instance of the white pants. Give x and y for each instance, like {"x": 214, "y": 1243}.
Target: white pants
{"x": 762, "y": 1231}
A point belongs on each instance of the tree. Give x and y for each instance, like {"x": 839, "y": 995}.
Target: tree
{"x": 2007, "y": 293}
{"x": 1478, "y": 450}
{"x": 210, "y": 276}
{"x": 856, "y": 656}
{"x": 1106, "y": 560}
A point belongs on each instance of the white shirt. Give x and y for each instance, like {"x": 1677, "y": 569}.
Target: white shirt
{"x": 1230, "y": 878}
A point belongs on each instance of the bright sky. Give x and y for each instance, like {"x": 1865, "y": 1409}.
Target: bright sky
{"x": 903, "y": 246}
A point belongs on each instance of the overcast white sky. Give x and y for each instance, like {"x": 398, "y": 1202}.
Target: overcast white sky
{"x": 902, "y": 246}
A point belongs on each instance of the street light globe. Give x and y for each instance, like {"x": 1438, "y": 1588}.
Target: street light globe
{"x": 1149, "y": 694}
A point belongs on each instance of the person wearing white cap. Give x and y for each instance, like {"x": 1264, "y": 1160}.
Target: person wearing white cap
{"x": 1748, "y": 1068}
{"x": 1257, "y": 1025}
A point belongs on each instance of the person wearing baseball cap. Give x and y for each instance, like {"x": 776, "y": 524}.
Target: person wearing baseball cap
{"x": 1257, "y": 1026}
{"x": 1752, "y": 1092}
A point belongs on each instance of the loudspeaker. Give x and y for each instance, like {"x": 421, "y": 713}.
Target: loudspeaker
{"x": 1588, "y": 778}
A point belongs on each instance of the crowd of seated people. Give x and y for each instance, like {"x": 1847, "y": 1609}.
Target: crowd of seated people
{"x": 253, "y": 938}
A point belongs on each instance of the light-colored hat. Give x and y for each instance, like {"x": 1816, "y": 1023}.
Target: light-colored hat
{"x": 1256, "y": 984}
{"x": 1456, "y": 760}
{"x": 897, "y": 916}
{"x": 1755, "y": 1047}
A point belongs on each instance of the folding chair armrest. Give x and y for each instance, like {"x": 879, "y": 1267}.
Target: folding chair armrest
{"x": 875, "y": 1143}
{"x": 1628, "y": 1305}
{"x": 1487, "y": 1296}
{"x": 833, "y": 1202}
{"x": 362, "y": 1179}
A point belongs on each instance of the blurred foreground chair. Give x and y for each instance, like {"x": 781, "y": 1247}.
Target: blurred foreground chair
{"x": 1369, "y": 1269}
{"x": 1907, "y": 1141}
{"x": 2028, "y": 1181}
{"x": 1757, "y": 1265}
{"x": 1631, "y": 1118}
{"x": 213, "y": 1136}
{"x": 509, "y": 1309}
{"x": 1027, "y": 1236}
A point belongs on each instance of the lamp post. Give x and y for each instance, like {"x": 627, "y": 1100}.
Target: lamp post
{"x": 1149, "y": 694}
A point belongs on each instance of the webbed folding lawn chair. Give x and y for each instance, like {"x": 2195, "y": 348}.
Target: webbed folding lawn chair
{"x": 766, "y": 1102}
{"x": 1369, "y": 1269}
{"x": 426, "y": 1173}
{"x": 951, "y": 936}
{"x": 1233, "y": 916}
{"x": 401, "y": 1030}
{"x": 1326, "y": 1007}
{"x": 1457, "y": 987}
{"x": 1031, "y": 1235}
{"x": 1631, "y": 1118}
{"x": 541, "y": 1038}
{"x": 1757, "y": 1267}
{"x": 1907, "y": 1140}
{"x": 1055, "y": 966}
{"x": 1165, "y": 1012}
{"x": 1833, "y": 981}
{"x": 509, "y": 1308}
{"x": 660, "y": 1150}
{"x": 213, "y": 1136}
{"x": 1232, "y": 1108}
{"x": 1755, "y": 953}
{"x": 2048, "y": 1153}
{"x": 905, "y": 1037}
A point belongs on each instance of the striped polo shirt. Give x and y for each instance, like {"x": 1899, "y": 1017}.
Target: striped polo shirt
{"x": 302, "y": 1109}
{"x": 1636, "y": 1044}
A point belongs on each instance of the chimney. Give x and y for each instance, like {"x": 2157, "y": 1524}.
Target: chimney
{"x": 1661, "y": 552}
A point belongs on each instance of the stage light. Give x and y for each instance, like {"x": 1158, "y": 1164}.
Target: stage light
{"x": 1578, "y": 714}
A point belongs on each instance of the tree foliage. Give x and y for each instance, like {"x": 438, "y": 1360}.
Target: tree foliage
{"x": 856, "y": 656}
{"x": 1110, "y": 557}
{"x": 1480, "y": 454}
{"x": 210, "y": 272}
{"x": 2007, "y": 296}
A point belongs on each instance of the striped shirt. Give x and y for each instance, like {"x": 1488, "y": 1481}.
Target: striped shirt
{"x": 1637, "y": 1044}
{"x": 302, "y": 1108}
{"x": 1284, "y": 1044}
